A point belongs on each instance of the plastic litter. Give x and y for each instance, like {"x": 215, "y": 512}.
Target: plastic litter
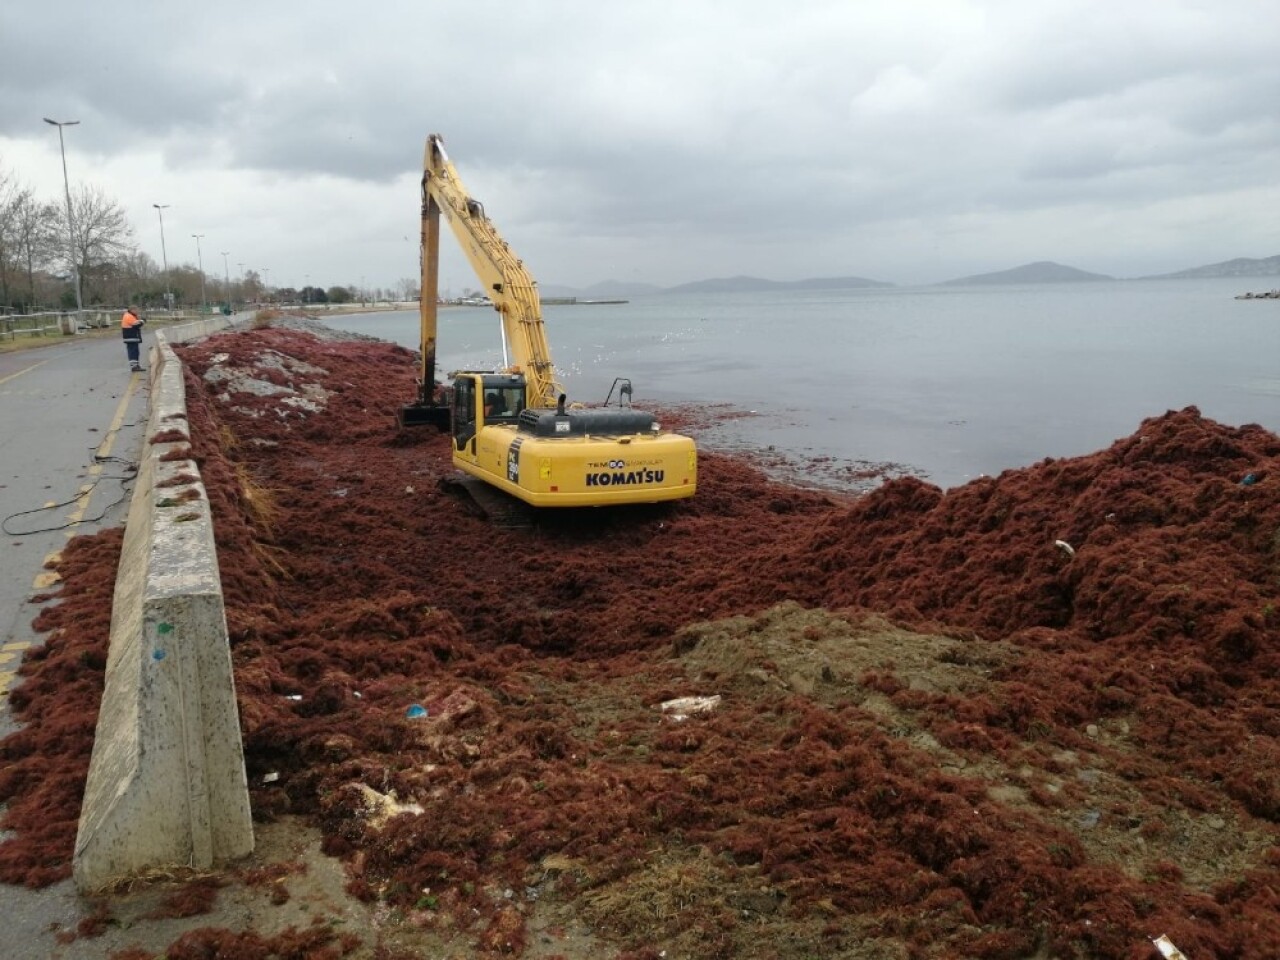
{"x": 681, "y": 707}
{"x": 270, "y": 777}
{"x": 1248, "y": 480}
{"x": 381, "y": 807}
{"x": 416, "y": 711}
{"x": 1167, "y": 949}
{"x": 1065, "y": 547}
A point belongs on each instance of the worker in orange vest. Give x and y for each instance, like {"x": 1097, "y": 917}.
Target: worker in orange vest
{"x": 131, "y": 329}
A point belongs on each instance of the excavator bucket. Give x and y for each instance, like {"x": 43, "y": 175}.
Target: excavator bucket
{"x": 424, "y": 415}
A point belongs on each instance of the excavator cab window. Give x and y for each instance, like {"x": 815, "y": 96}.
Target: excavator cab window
{"x": 503, "y": 403}
{"x": 464, "y": 411}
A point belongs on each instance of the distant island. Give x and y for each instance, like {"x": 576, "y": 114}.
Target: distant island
{"x": 1042, "y": 271}
{"x": 1239, "y": 267}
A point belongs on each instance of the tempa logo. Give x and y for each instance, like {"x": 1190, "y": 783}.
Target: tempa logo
{"x": 618, "y": 476}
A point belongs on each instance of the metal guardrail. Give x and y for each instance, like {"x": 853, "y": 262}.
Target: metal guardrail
{"x": 68, "y": 322}
{"x": 31, "y": 325}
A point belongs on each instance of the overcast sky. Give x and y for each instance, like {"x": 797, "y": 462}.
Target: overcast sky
{"x": 664, "y": 142}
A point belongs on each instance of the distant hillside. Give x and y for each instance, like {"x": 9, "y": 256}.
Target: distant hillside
{"x": 1239, "y": 267}
{"x": 1043, "y": 271}
{"x": 756, "y": 284}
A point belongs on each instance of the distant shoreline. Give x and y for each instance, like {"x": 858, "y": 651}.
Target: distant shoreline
{"x": 318, "y": 310}
{"x": 343, "y": 309}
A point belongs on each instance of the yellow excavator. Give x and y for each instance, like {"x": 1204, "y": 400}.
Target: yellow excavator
{"x": 512, "y": 428}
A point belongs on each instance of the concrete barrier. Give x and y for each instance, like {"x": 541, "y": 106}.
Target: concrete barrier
{"x": 200, "y": 327}
{"x": 166, "y": 782}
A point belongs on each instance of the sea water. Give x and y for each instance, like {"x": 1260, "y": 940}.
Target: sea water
{"x": 947, "y": 383}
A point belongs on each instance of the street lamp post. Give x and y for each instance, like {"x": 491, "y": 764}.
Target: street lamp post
{"x": 71, "y": 233}
{"x": 204, "y": 301}
{"x": 168, "y": 287}
{"x": 226, "y": 276}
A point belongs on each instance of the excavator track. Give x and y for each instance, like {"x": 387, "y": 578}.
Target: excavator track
{"x": 489, "y": 503}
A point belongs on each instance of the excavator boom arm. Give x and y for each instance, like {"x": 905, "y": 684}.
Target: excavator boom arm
{"x": 506, "y": 282}
{"x": 512, "y": 429}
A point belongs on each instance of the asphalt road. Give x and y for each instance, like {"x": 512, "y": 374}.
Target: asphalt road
{"x": 72, "y": 418}
{"x": 71, "y": 424}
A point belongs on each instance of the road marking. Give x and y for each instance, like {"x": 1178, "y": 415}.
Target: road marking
{"x": 15, "y": 376}
{"x": 49, "y": 577}
{"x": 103, "y": 451}
{"x": 11, "y": 650}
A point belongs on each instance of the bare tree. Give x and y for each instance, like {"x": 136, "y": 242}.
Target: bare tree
{"x": 407, "y": 288}
{"x": 8, "y": 197}
{"x": 144, "y": 280}
{"x": 141, "y": 267}
{"x": 102, "y": 236}
{"x": 34, "y": 225}
{"x": 251, "y": 287}
{"x": 132, "y": 277}
{"x": 185, "y": 280}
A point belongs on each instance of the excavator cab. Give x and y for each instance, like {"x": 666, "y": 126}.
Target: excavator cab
{"x": 484, "y": 398}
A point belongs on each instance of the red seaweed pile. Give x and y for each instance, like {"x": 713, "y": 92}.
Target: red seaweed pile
{"x": 43, "y": 765}
{"x": 1075, "y": 751}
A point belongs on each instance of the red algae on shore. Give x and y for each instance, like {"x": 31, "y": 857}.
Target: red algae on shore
{"x": 43, "y": 765}
{"x": 1074, "y": 751}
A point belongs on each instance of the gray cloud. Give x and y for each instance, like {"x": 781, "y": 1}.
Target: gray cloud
{"x": 676, "y": 140}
